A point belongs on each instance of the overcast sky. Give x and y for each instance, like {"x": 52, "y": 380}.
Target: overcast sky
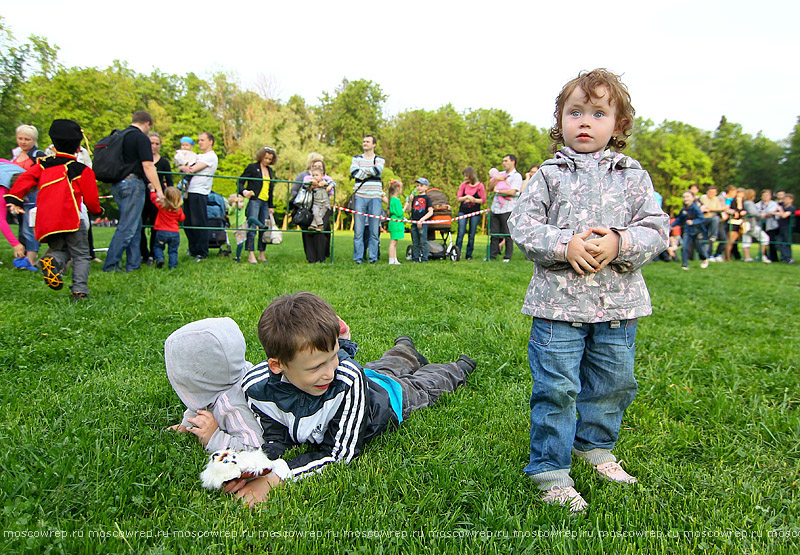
{"x": 691, "y": 61}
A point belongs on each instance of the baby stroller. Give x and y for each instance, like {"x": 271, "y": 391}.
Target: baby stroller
{"x": 441, "y": 221}
{"x": 218, "y": 218}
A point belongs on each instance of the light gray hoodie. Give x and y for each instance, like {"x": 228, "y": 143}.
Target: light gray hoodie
{"x": 205, "y": 365}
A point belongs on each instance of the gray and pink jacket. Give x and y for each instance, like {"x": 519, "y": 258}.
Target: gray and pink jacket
{"x": 205, "y": 365}
{"x": 571, "y": 193}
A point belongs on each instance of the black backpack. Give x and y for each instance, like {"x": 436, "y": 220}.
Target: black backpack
{"x": 109, "y": 165}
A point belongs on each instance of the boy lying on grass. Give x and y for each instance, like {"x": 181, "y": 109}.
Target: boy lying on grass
{"x": 311, "y": 391}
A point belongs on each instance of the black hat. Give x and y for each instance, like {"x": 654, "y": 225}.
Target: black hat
{"x": 66, "y": 135}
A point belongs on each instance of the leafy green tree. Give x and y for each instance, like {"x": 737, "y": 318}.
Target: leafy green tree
{"x": 16, "y": 61}
{"x": 531, "y": 144}
{"x": 99, "y": 100}
{"x": 354, "y": 110}
{"x": 428, "y": 143}
{"x": 726, "y": 147}
{"x": 672, "y": 156}
{"x": 789, "y": 171}
{"x": 490, "y": 138}
{"x": 491, "y": 135}
{"x": 760, "y": 162}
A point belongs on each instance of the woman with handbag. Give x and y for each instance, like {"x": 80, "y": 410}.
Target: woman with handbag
{"x": 257, "y": 184}
{"x": 317, "y": 243}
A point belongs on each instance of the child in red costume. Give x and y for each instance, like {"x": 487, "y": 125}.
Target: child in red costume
{"x": 64, "y": 185}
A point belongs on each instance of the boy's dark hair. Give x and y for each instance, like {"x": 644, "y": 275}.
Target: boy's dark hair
{"x": 140, "y": 116}
{"x": 619, "y": 98}
{"x": 296, "y": 322}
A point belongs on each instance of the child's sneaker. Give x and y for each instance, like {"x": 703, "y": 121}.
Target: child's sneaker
{"x": 51, "y": 272}
{"x": 24, "y": 264}
{"x": 704, "y": 264}
{"x": 614, "y": 472}
{"x": 565, "y": 495}
{"x": 466, "y": 364}
{"x": 77, "y": 297}
{"x": 159, "y": 264}
{"x": 408, "y": 342}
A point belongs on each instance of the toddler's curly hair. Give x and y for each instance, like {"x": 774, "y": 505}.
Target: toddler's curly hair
{"x": 620, "y": 98}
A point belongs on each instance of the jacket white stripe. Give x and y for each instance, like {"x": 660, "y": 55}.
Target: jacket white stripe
{"x": 352, "y": 416}
{"x": 255, "y": 374}
{"x": 251, "y": 438}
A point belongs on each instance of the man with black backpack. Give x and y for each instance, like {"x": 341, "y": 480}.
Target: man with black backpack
{"x": 129, "y": 192}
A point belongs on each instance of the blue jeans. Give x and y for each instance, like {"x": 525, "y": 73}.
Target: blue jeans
{"x": 258, "y": 209}
{"x": 712, "y": 228}
{"x": 169, "y": 239}
{"x": 688, "y": 241}
{"x": 367, "y": 206}
{"x": 588, "y": 369}
{"x": 26, "y": 232}
{"x": 129, "y": 196}
{"x": 462, "y": 228}
{"x": 419, "y": 243}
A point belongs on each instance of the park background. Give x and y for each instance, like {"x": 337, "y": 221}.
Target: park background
{"x": 84, "y": 398}
{"x": 437, "y": 143}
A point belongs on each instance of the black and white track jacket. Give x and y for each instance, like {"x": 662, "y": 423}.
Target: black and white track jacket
{"x": 336, "y": 424}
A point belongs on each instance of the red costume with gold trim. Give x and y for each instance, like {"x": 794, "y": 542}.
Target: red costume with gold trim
{"x": 63, "y": 184}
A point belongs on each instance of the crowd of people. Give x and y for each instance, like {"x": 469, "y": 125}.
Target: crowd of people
{"x": 712, "y": 225}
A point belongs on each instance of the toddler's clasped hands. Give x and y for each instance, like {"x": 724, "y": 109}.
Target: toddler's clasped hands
{"x": 592, "y": 255}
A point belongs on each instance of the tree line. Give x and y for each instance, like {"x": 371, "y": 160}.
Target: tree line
{"x": 437, "y": 144}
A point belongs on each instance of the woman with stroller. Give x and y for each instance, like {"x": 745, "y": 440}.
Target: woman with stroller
{"x": 257, "y": 184}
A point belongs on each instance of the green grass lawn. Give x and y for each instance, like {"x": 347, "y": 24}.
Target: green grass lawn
{"x": 713, "y": 436}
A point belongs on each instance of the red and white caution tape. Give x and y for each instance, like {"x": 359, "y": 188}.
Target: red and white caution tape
{"x": 385, "y": 219}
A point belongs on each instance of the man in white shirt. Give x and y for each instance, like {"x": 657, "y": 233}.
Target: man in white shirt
{"x": 197, "y": 197}
{"x": 500, "y": 211}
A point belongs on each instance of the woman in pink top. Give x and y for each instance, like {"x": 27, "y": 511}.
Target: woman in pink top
{"x": 8, "y": 173}
{"x": 471, "y": 195}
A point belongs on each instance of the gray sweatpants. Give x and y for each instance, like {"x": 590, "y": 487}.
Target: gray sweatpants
{"x": 422, "y": 385}
{"x": 74, "y": 245}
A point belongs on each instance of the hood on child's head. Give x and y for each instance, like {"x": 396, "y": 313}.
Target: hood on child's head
{"x": 204, "y": 359}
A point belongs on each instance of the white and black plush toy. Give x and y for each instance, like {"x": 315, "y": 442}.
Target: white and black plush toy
{"x": 227, "y": 465}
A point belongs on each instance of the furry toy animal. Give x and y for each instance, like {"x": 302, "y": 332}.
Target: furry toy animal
{"x": 227, "y": 465}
